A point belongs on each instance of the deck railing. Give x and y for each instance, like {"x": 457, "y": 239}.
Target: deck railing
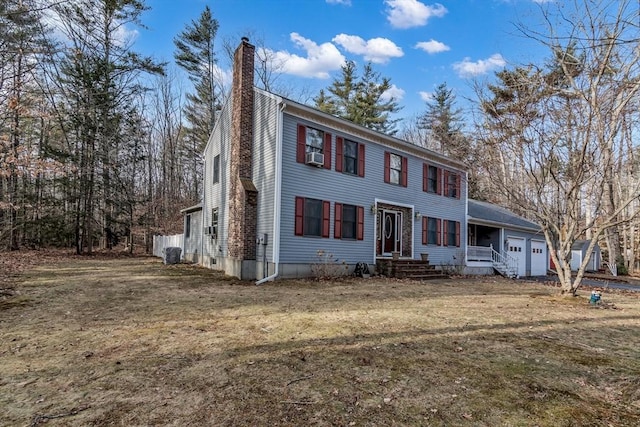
{"x": 479, "y": 253}
{"x": 506, "y": 260}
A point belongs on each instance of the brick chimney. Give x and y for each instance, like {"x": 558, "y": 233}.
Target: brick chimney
{"x": 243, "y": 195}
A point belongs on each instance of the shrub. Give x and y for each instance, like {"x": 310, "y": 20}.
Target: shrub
{"x": 327, "y": 265}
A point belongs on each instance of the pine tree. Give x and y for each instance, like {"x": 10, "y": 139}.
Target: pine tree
{"x": 98, "y": 85}
{"x": 360, "y": 100}
{"x": 444, "y": 124}
{"x": 195, "y": 53}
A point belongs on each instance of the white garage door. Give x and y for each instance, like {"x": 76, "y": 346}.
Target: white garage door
{"x": 516, "y": 249}
{"x": 538, "y": 258}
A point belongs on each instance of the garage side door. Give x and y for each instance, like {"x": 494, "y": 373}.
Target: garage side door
{"x": 538, "y": 258}
{"x": 516, "y": 249}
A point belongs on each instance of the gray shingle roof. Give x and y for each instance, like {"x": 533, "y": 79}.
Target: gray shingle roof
{"x": 581, "y": 245}
{"x": 483, "y": 211}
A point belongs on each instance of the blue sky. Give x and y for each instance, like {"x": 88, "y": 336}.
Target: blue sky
{"x": 417, "y": 44}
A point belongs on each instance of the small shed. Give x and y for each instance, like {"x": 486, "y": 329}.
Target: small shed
{"x": 579, "y": 253}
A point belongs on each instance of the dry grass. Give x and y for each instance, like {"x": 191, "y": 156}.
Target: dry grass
{"x": 132, "y": 342}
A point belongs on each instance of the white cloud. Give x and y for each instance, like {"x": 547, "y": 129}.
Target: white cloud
{"x": 377, "y": 50}
{"x": 344, "y": 2}
{"x": 225, "y": 76}
{"x": 125, "y": 36}
{"x": 433, "y": 46}
{"x": 467, "y": 68}
{"x": 393, "y": 92}
{"x": 412, "y": 13}
{"x": 426, "y": 96}
{"x": 320, "y": 59}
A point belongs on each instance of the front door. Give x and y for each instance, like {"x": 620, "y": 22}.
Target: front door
{"x": 391, "y": 231}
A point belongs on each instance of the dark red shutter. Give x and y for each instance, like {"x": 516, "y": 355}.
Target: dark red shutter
{"x": 439, "y": 232}
{"x": 458, "y": 186}
{"x": 360, "y": 159}
{"x": 387, "y": 166}
{"x": 302, "y": 144}
{"x": 439, "y": 181}
{"x": 425, "y": 231}
{"x": 326, "y": 214}
{"x": 425, "y": 177}
{"x": 404, "y": 171}
{"x": 446, "y": 183}
{"x": 457, "y": 233}
{"x": 299, "y": 227}
{"x": 337, "y": 221}
{"x": 339, "y": 160}
{"x": 327, "y": 150}
{"x": 360, "y": 226}
{"x": 445, "y": 240}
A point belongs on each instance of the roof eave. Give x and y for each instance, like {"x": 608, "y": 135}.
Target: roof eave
{"x": 480, "y": 221}
{"x": 307, "y": 112}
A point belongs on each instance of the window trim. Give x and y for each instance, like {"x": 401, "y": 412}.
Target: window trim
{"x": 447, "y": 234}
{"x": 341, "y": 158}
{"x": 338, "y": 225}
{"x": 187, "y": 226}
{"x": 425, "y": 231}
{"x": 216, "y": 169}
{"x": 215, "y": 223}
{"x": 426, "y": 179}
{"x": 299, "y": 218}
{"x": 301, "y": 145}
{"x": 403, "y": 169}
{"x": 448, "y": 187}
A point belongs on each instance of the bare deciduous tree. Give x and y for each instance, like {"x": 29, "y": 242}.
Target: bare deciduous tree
{"x": 557, "y": 137}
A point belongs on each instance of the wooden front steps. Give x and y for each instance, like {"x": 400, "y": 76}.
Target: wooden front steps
{"x": 414, "y": 269}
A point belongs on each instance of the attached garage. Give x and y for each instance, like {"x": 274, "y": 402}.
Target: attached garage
{"x": 493, "y": 228}
{"x": 538, "y": 258}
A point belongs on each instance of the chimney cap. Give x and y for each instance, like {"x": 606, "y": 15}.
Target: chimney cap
{"x": 245, "y": 39}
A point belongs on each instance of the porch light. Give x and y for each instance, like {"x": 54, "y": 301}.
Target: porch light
{"x": 373, "y": 209}
{"x": 418, "y": 215}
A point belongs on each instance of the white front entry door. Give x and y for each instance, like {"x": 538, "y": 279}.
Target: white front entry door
{"x": 516, "y": 249}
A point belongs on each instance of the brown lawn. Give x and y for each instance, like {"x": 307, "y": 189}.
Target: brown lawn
{"x": 132, "y": 342}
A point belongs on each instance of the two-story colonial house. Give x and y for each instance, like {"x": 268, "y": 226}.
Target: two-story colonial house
{"x": 284, "y": 181}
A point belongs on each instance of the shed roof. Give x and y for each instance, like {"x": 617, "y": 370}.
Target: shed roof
{"x": 488, "y": 212}
{"x": 193, "y": 208}
{"x": 583, "y": 245}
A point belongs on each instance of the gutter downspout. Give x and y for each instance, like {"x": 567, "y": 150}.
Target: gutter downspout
{"x": 204, "y": 203}
{"x": 276, "y": 197}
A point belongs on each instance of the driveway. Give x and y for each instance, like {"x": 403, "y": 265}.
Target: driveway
{"x": 592, "y": 282}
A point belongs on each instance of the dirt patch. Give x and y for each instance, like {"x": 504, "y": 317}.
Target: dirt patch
{"x": 130, "y": 341}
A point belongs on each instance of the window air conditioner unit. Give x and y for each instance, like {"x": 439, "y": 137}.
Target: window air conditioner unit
{"x": 316, "y": 159}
